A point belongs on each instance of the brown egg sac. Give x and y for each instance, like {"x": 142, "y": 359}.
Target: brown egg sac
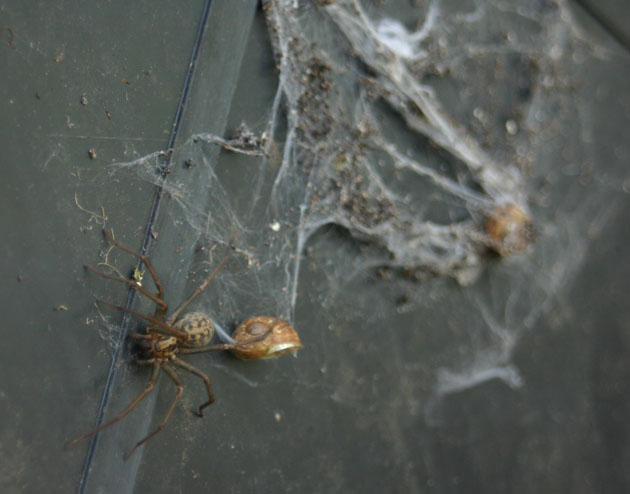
{"x": 282, "y": 338}
{"x": 509, "y": 229}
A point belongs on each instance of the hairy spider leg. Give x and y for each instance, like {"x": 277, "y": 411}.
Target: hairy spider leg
{"x": 173, "y": 317}
{"x": 134, "y": 403}
{"x": 159, "y": 297}
{"x": 180, "y": 389}
{"x": 211, "y": 348}
{"x": 182, "y": 335}
{"x": 197, "y": 372}
{"x": 158, "y": 301}
{"x": 160, "y": 311}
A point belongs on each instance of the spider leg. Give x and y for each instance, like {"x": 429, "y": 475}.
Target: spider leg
{"x": 173, "y": 317}
{"x": 180, "y": 389}
{"x": 134, "y": 403}
{"x": 158, "y": 301}
{"x": 156, "y": 322}
{"x": 206, "y": 380}
{"x": 225, "y": 346}
{"x": 147, "y": 263}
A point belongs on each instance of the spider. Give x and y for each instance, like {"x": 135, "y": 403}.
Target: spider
{"x": 168, "y": 336}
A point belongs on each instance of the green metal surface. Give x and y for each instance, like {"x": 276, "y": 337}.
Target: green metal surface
{"x": 347, "y": 414}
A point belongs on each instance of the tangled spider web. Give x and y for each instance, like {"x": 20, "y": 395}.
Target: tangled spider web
{"x": 396, "y": 132}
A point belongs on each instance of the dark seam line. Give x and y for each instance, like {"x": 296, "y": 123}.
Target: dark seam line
{"x": 597, "y": 16}
{"x": 163, "y": 173}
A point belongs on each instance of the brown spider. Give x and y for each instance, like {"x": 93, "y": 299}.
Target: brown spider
{"x": 166, "y": 337}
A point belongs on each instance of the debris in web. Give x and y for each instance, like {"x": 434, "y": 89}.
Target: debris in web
{"x": 396, "y": 133}
{"x": 334, "y": 77}
{"x": 243, "y": 141}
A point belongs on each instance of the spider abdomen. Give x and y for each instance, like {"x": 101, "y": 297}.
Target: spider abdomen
{"x": 197, "y": 326}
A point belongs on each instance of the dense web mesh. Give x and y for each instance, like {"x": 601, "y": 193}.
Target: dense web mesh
{"x": 429, "y": 140}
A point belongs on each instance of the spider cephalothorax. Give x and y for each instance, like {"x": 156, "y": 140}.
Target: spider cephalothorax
{"x": 168, "y": 336}
{"x": 155, "y": 345}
